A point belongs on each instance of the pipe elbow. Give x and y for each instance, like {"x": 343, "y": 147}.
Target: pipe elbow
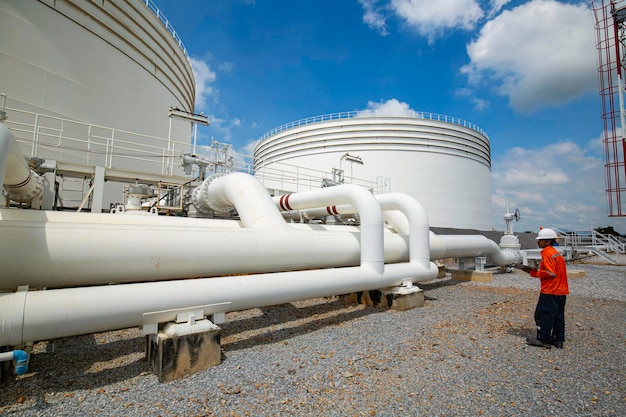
{"x": 242, "y": 192}
{"x": 19, "y": 181}
{"x": 21, "y": 361}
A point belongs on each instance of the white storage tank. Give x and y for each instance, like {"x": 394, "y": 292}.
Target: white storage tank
{"x": 442, "y": 161}
{"x": 110, "y": 66}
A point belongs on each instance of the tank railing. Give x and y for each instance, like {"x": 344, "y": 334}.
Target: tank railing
{"x": 373, "y": 113}
{"x": 75, "y": 142}
{"x": 159, "y": 14}
{"x": 70, "y": 141}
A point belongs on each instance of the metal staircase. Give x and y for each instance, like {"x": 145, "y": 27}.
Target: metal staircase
{"x": 592, "y": 241}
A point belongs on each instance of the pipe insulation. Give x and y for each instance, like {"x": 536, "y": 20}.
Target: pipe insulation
{"x": 19, "y": 181}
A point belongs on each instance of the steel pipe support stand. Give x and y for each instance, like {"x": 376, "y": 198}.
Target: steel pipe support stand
{"x": 182, "y": 349}
{"x": 393, "y": 298}
{"x": 470, "y": 275}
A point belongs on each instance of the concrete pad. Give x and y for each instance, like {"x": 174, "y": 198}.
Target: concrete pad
{"x": 441, "y": 271}
{"x": 399, "y": 299}
{"x": 181, "y": 349}
{"x": 469, "y": 275}
{"x": 576, "y": 273}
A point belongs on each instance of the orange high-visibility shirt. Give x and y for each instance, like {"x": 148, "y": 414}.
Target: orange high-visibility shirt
{"x": 552, "y": 272}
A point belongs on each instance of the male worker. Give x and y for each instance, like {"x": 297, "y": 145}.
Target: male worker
{"x": 550, "y": 311}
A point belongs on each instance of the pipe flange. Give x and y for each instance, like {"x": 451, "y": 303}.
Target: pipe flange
{"x": 200, "y": 195}
{"x": 27, "y": 190}
{"x": 516, "y": 254}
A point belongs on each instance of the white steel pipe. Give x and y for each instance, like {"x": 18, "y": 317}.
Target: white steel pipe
{"x": 76, "y": 249}
{"x": 440, "y": 246}
{"x": 246, "y": 194}
{"x": 19, "y": 181}
{"x": 460, "y": 246}
{"x": 43, "y": 315}
{"x": 404, "y": 209}
{"x": 365, "y": 205}
{"x": 130, "y": 249}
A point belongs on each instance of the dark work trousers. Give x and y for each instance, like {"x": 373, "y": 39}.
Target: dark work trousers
{"x": 550, "y": 318}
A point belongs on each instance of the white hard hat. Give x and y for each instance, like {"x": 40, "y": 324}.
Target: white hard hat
{"x": 547, "y": 234}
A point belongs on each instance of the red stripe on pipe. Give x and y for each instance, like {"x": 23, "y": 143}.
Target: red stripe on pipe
{"x": 288, "y": 207}
{"x": 21, "y": 184}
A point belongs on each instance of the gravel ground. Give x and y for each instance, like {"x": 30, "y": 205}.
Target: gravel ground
{"x": 462, "y": 354}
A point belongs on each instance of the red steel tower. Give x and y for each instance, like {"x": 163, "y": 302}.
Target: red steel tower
{"x": 610, "y": 17}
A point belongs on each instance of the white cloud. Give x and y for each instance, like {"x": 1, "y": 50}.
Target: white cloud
{"x": 373, "y": 17}
{"x": 391, "y": 107}
{"x": 204, "y": 77}
{"x": 431, "y": 18}
{"x": 560, "y": 185}
{"x": 540, "y": 53}
{"x": 496, "y": 6}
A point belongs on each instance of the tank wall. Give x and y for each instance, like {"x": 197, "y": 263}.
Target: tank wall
{"x": 444, "y": 166}
{"x": 110, "y": 63}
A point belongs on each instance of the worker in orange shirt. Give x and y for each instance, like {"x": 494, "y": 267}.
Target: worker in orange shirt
{"x": 550, "y": 311}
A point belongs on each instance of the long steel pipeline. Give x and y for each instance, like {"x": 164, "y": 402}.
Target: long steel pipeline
{"x": 291, "y": 262}
{"x": 35, "y": 315}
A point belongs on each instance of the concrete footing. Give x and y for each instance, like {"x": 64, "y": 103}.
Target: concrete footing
{"x": 396, "y": 298}
{"x": 470, "y": 275}
{"x": 576, "y": 273}
{"x": 181, "y": 349}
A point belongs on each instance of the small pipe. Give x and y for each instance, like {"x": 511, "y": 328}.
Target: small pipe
{"x": 21, "y": 360}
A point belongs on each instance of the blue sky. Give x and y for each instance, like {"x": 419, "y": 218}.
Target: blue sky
{"x": 524, "y": 71}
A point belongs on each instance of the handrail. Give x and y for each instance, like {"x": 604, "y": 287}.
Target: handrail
{"x": 114, "y": 148}
{"x": 373, "y": 113}
{"x": 159, "y": 14}
{"x": 591, "y": 238}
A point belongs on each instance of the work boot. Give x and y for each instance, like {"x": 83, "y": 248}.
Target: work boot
{"x": 558, "y": 345}
{"x": 536, "y": 342}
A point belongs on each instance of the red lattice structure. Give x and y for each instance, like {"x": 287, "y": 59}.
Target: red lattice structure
{"x": 610, "y": 17}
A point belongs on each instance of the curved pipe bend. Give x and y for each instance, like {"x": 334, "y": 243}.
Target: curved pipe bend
{"x": 408, "y": 217}
{"x": 372, "y": 224}
{"x": 20, "y": 182}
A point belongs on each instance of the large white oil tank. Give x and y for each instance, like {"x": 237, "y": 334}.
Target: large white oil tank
{"x": 442, "y": 161}
{"x": 112, "y": 66}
